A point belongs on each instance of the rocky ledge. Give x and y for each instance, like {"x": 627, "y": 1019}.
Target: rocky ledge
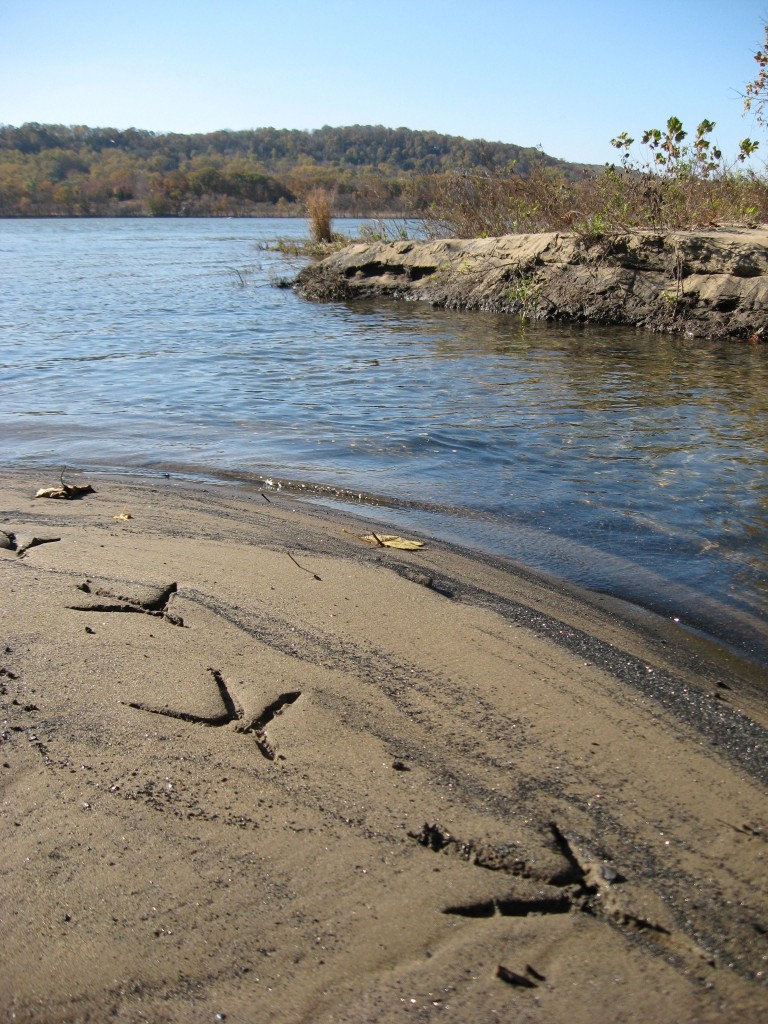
{"x": 711, "y": 284}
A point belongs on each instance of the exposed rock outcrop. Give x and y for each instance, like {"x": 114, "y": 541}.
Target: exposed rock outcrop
{"x": 707, "y": 283}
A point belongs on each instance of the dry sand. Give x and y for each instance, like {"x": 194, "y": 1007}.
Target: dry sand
{"x": 399, "y": 786}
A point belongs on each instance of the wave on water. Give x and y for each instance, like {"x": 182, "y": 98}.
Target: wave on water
{"x": 628, "y": 463}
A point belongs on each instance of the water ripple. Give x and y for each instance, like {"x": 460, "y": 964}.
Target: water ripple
{"x": 631, "y": 463}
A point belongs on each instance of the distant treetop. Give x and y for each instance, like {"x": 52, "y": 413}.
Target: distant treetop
{"x": 276, "y": 149}
{"x": 72, "y": 170}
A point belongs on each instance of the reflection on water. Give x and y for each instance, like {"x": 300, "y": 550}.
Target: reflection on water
{"x": 627, "y": 462}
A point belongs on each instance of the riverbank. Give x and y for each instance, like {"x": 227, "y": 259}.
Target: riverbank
{"x": 257, "y": 767}
{"x": 711, "y": 284}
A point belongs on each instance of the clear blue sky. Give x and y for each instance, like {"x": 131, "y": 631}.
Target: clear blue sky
{"x": 566, "y": 74}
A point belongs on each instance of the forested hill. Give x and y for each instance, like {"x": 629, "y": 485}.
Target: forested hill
{"x": 55, "y": 170}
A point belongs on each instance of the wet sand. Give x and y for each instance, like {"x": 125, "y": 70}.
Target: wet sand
{"x": 357, "y": 784}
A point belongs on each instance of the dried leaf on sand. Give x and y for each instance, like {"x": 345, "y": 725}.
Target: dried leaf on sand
{"x": 391, "y": 540}
{"x": 66, "y": 491}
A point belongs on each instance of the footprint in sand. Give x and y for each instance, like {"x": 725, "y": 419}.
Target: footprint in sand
{"x": 155, "y": 600}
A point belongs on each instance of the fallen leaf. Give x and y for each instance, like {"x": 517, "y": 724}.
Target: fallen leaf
{"x": 391, "y": 540}
{"x": 123, "y": 517}
{"x": 66, "y": 491}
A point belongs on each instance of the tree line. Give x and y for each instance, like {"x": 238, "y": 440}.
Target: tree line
{"x": 58, "y": 170}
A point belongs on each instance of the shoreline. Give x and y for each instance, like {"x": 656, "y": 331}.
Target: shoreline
{"x": 420, "y": 776}
{"x": 277, "y": 215}
{"x": 741, "y": 648}
{"x": 665, "y": 606}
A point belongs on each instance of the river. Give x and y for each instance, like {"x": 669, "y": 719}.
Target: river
{"x": 629, "y": 463}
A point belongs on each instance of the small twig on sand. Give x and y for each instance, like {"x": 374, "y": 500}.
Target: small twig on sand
{"x": 303, "y": 568}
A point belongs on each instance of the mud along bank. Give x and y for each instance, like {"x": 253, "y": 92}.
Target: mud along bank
{"x": 711, "y": 284}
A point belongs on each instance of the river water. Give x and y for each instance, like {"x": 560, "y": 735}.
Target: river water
{"x": 626, "y": 462}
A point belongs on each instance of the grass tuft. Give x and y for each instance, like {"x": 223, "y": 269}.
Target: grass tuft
{"x": 319, "y": 211}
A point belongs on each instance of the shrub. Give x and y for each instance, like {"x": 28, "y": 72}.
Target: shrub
{"x": 318, "y": 203}
{"x": 673, "y": 184}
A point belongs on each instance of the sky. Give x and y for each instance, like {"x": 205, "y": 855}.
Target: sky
{"x": 566, "y": 75}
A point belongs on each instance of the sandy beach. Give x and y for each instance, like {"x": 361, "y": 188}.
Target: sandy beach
{"x": 257, "y": 769}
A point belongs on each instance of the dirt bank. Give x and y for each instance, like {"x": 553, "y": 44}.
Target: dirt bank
{"x": 710, "y": 284}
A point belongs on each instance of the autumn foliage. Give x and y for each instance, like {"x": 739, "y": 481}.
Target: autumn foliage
{"x": 54, "y": 170}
